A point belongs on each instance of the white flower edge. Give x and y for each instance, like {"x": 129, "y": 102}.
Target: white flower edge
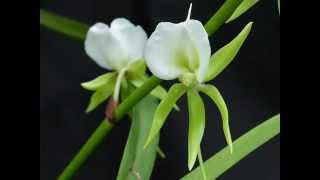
{"x": 115, "y": 47}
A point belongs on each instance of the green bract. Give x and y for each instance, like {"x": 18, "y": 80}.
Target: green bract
{"x": 223, "y": 57}
{"x": 196, "y": 125}
{"x": 164, "y": 108}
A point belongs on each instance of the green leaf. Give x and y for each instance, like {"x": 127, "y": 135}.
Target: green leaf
{"x": 137, "y": 162}
{"x": 63, "y": 25}
{"x": 196, "y": 125}
{"x": 136, "y": 70}
{"x": 158, "y": 92}
{"x": 247, "y": 143}
{"x": 100, "y": 95}
{"x": 220, "y": 59}
{"x": 164, "y": 108}
{"x": 242, "y": 8}
{"x": 100, "y": 81}
{"x": 216, "y": 97}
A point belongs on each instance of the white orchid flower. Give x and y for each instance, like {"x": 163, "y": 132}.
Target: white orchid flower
{"x": 116, "y": 47}
{"x": 183, "y": 51}
{"x": 179, "y": 51}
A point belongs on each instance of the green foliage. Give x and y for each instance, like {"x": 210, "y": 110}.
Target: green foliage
{"x": 222, "y": 161}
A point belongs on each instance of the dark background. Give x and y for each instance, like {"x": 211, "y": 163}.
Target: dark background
{"x": 250, "y": 86}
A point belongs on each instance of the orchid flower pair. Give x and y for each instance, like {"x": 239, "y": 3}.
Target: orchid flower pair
{"x": 120, "y": 48}
{"x": 173, "y": 51}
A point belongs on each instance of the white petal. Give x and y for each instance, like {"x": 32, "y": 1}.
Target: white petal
{"x": 177, "y": 48}
{"x": 105, "y": 48}
{"x": 201, "y": 42}
{"x": 133, "y": 37}
{"x": 159, "y": 51}
{"x": 121, "y": 23}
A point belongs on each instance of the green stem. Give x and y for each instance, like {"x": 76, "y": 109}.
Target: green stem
{"x": 88, "y": 148}
{"x": 116, "y": 91}
{"x": 221, "y": 16}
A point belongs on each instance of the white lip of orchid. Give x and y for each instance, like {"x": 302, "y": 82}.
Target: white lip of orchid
{"x": 179, "y": 51}
{"x": 116, "y": 47}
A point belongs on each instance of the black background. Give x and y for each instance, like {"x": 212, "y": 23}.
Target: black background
{"x": 250, "y": 86}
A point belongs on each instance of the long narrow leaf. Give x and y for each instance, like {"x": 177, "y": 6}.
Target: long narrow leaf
{"x": 247, "y": 143}
{"x": 217, "y": 98}
{"x": 196, "y": 125}
{"x": 137, "y": 162}
{"x": 220, "y": 59}
{"x": 63, "y": 25}
{"x": 164, "y": 108}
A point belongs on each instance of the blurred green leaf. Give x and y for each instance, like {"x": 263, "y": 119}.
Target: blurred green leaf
{"x": 278, "y": 2}
{"x": 216, "y": 97}
{"x": 63, "y": 25}
{"x": 220, "y": 59}
{"x": 136, "y": 70}
{"x": 137, "y": 162}
{"x": 247, "y": 143}
{"x": 164, "y": 108}
{"x": 242, "y": 8}
{"x": 100, "y": 81}
{"x": 196, "y": 125}
{"x": 100, "y": 95}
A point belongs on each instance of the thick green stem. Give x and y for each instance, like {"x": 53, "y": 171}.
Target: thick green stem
{"x": 221, "y": 16}
{"x": 88, "y": 148}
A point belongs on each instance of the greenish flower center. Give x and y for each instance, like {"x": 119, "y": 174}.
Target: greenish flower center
{"x": 189, "y": 79}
